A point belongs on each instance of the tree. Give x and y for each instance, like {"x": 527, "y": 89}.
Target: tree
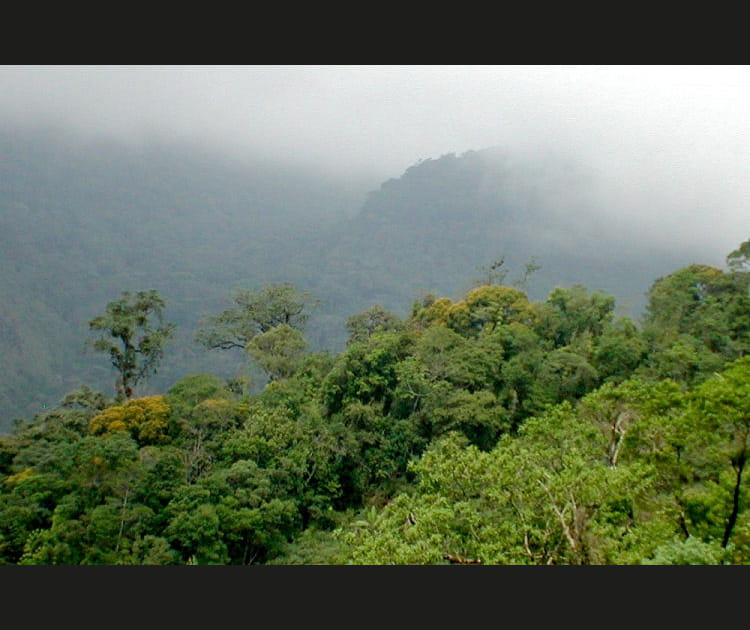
{"x": 145, "y": 419}
{"x": 495, "y": 274}
{"x": 277, "y": 351}
{"x": 619, "y": 350}
{"x": 256, "y": 312}
{"x": 571, "y": 312}
{"x": 138, "y": 345}
{"x": 488, "y": 306}
{"x": 484, "y": 307}
{"x": 492, "y": 273}
{"x": 721, "y": 407}
{"x": 543, "y": 497}
{"x": 374, "y": 319}
{"x": 366, "y": 372}
{"x": 679, "y": 299}
{"x": 697, "y": 319}
{"x": 739, "y": 259}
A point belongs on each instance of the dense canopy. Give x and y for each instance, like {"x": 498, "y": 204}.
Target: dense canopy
{"x": 493, "y": 429}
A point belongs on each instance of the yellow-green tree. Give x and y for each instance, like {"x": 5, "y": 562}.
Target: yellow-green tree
{"x": 145, "y": 419}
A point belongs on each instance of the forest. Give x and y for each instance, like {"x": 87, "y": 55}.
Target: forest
{"x": 491, "y": 428}
{"x": 82, "y": 221}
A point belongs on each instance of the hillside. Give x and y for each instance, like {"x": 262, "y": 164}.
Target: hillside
{"x": 81, "y": 222}
{"x": 445, "y": 220}
{"x": 489, "y": 430}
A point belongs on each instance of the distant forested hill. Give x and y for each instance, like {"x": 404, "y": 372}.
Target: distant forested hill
{"x": 446, "y": 220}
{"x": 81, "y": 222}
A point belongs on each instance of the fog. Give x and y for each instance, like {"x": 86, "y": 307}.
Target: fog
{"x": 667, "y": 147}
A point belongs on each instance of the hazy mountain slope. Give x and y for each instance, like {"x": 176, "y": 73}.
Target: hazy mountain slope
{"x": 81, "y": 222}
{"x": 434, "y": 228}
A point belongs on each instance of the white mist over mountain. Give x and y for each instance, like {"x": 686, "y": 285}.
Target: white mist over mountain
{"x": 667, "y": 147}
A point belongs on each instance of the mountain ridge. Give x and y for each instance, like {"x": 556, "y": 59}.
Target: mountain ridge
{"x": 80, "y": 222}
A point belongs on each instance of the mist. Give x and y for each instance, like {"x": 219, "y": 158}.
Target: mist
{"x": 663, "y": 148}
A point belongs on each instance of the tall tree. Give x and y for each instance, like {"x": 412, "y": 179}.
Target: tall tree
{"x": 130, "y": 337}
{"x": 257, "y": 312}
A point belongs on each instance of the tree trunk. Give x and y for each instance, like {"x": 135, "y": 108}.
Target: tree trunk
{"x": 735, "y": 501}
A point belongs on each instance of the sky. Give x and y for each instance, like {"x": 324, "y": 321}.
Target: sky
{"x": 670, "y": 145}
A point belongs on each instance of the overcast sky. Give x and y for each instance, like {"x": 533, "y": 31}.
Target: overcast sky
{"x": 671, "y": 143}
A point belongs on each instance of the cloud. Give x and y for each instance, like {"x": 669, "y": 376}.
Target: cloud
{"x": 669, "y": 145}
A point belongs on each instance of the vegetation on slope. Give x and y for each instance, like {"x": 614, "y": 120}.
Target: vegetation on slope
{"x": 82, "y": 222}
{"x": 491, "y": 429}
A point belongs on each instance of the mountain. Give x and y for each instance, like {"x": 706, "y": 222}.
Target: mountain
{"x": 82, "y": 221}
{"x": 441, "y": 224}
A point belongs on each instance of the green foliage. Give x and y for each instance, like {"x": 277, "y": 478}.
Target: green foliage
{"x": 84, "y": 397}
{"x": 569, "y": 313}
{"x": 194, "y": 530}
{"x": 619, "y": 351}
{"x": 312, "y": 546}
{"x": 145, "y": 419}
{"x": 447, "y": 384}
{"x": 487, "y": 306}
{"x": 203, "y": 410}
{"x": 567, "y": 375}
{"x": 138, "y": 345}
{"x": 194, "y": 388}
{"x": 739, "y": 259}
{"x": 430, "y": 310}
{"x": 546, "y": 497}
{"x": 691, "y": 551}
{"x": 720, "y": 445}
{"x": 277, "y": 351}
{"x": 302, "y": 454}
{"x": 372, "y": 320}
{"x": 490, "y": 430}
{"x": 366, "y": 372}
{"x": 257, "y": 312}
{"x": 697, "y": 319}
